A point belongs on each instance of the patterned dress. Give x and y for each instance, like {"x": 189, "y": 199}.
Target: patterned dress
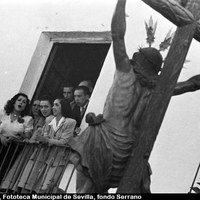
{"x": 12, "y": 129}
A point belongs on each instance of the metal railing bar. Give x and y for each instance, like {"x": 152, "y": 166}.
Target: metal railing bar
{"x": 42, "y": 171}
{"x": 47, "y": 169}
{"x": 31, "y": 149}
{"x": 18, "y": 161}
{"x": 9, "y": 146}
{"x": 56, "y": 184}
{"x": 41, "y": 149}
{"x": 12, "y": 158}
{"x": 70, "y": 179}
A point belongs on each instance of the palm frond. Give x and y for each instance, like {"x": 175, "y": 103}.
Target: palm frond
{"x": 167, "y": 41}
{"x": 150, "y": 31}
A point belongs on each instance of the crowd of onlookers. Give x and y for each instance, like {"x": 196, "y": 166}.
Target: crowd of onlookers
{"x": 50, "y": 122}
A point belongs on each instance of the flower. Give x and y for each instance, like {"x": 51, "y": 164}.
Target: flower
{"x": 20, "y": 120}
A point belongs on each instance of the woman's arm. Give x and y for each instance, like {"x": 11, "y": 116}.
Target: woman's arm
{"x": 190, "y": 85}
{"x": 4, "y": 140}
{"x": 42, "y": 135}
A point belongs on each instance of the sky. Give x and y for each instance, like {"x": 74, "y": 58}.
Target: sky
{"x": 176, "y": 154}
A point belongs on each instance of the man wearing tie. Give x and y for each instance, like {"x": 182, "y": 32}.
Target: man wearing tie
{"x": 81, "y": 97}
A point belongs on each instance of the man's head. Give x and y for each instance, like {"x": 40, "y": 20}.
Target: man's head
{"x": 68, "y": 92}
{"x": 88, "y": 84}
{"x": 149, "y": 58}
{"x": 81, "y": 95}
{"x": 46, "y": 104}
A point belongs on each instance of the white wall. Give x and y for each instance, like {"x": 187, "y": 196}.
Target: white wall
{"x": 176, "y": 152}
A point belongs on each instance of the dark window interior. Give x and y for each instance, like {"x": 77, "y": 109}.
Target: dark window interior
{"x": 71, "y": 63}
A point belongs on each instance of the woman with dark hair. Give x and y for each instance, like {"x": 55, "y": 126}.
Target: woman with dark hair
{"x": 18, "y": 166}
{"x": 14, "y": 119}
{"x": 10, "y": 106}
{"x": 61, "y": 128}
{"x": 15, "y": 124}
{"x": 57, "y": 133}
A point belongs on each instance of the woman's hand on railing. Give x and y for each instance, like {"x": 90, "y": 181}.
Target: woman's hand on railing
{"x": 41, "y": 139}
{"x": 26, "y": 140}
{"x": 16, "y": 139}
{"x": 33, "y": 140}
{"x": 5, "y": 140}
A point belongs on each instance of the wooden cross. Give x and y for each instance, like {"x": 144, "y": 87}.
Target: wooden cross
{"x": 185, "y": 14}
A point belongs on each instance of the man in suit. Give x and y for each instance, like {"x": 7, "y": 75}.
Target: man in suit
{"x": 68, "y": 94}
{"x": 81, "y": 97}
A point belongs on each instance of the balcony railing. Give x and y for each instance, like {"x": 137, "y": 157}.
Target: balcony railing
{"x": 36, "y": 168}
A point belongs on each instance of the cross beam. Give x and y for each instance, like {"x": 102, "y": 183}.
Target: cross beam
{"x": 178, "y": 12}
{"x": 153, "y": 116}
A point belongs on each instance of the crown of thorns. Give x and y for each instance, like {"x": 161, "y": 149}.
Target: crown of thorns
{"x": 150, "y": 31}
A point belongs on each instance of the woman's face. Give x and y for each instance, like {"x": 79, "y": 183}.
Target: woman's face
{"x": 36, "y": 107}
{"x": 20, "y": 104}
{"x": 56, "y": 108}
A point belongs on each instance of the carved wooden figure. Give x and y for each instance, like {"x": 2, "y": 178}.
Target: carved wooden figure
{"x": 184, "y": 14}
{"x": 116, "y": 146}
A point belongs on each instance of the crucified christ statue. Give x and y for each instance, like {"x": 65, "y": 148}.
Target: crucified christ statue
{"x": 105, "y": 146}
